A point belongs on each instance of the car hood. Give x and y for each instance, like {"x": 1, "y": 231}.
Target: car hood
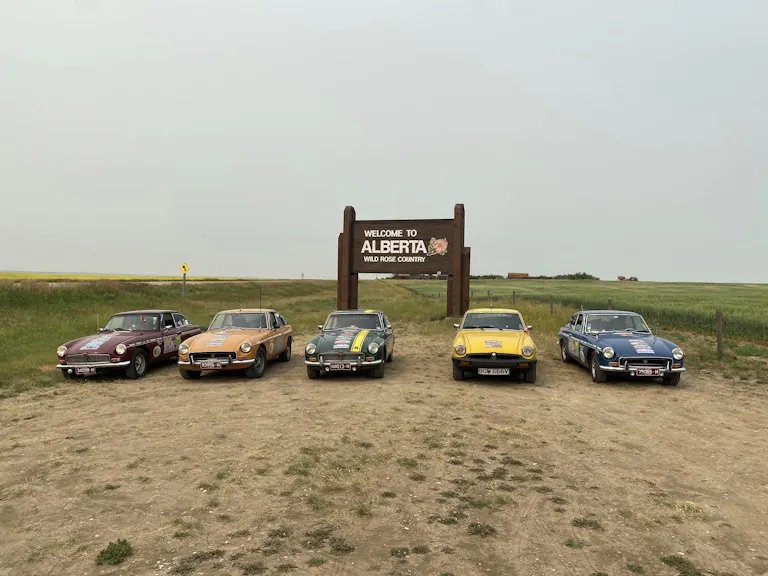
{"x": 500, "y": 341}
{"x": 105, "y": 342}
{"x": 346, "y": 340}
{"x": 223, "y": 340}
{"x": 635, "y": 344}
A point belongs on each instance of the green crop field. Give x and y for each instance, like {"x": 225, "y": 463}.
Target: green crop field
{"x": 683, "y": 306}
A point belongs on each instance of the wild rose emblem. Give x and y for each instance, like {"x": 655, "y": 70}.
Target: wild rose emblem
{"x": 437, "y": 246}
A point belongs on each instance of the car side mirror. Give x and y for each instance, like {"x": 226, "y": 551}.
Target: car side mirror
{"x": 319, "y": 326}
{"x": 456, "y": 326}
{"x": 529, "y": 328}
{"x": 99, "y": 330}
{"x": 389, "y": 326}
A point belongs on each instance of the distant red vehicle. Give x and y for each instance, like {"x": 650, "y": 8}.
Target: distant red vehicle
{"x": 129, "y": 342}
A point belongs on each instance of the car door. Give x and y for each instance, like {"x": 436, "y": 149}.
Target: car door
{"x": 577, "y": 341}
{"x": 389, "y": 334}
{"x": 276, "y": 340}
{"x": 170, "y": 336}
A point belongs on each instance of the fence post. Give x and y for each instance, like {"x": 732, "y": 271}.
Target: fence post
{"x": 551, "y": 305}
{"x": 610, "y": 303}
{"x": 490, "y": 298}
{"x": 719, "y": 332}
{"x": 514, "y": 299}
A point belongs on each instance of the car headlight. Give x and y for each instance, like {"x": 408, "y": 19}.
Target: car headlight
{"x": 183, "y": 348}
{"x": 460, "y": 349}
{"x": 528, "y": 351}
{"x": 677, "y": 354}
{"x": 245, "y": 347}
{"x": 120, "y": 349}
{"x": 61, "y": 350}
{"x": 373, "y": 347}
{"x": 310, "y": 349}
{"x": 608, "y": 352}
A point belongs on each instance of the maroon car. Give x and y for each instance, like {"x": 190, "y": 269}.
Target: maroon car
{"x": 130, "y": 341}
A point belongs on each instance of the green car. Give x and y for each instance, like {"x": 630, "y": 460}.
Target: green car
{"x": 351, "y": 341}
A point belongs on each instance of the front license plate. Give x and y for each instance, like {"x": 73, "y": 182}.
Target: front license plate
{"x": 211, "y": 364}
{"x": 648, "y": 372}
{"x": 340, "y": 366}
{"x": 493, "y": 371}
{"x": 85, "y": 370}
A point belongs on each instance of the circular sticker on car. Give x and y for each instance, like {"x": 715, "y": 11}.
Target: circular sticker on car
{"x": 156, "y": 351}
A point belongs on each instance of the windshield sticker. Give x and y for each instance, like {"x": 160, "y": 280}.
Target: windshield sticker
{"x": 493, "y": 343}
{"x": 96, "y": 343}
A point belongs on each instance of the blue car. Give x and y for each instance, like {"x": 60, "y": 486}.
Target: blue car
{"x": 619, "y": 342}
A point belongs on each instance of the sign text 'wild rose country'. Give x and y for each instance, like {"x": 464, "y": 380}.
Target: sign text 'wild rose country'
{"x": 403, "y": 246}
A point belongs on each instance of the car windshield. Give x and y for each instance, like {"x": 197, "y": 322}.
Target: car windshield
{"x": 133, "y": 322}
{"x": 362, "y": 321}
{"x": 616, "y": 323}
{"x": 239, "y": 320}
{"x": 493, "y": 320}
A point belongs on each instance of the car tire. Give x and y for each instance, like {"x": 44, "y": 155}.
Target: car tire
{"x": 391, "y": 356}
{"x": 378, "y": 371}
{"x": 672, "y": 379}
{"x": 138, "y": 366}
{"x": 564, "y": 352}
{"x": 256, "y": 370}
{"x": 286, "y": 354}
{"x": 458, "y": 372}
{"x": 190, "y": 374}
{"x": 313, "y": 373}
{"x": 598, "y": 374}
{"x": 530, "y": 375}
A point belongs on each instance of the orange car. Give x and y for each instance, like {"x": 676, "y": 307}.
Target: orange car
{"x": 243, "y": 339}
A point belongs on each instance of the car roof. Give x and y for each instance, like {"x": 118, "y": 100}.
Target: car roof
{"x": 608, "y": 312}
{"x": 245, "y": 310}
{"x": 356, "y": 311}
{"x": 485, "y": 310}
{"x": 158, "y": 311}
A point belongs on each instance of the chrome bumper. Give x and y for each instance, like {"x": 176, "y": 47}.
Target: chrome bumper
{"x": 358, "y": 364}
{"x": 632, "y": 370}
{"x": 223, "y": 364}
{"x": 96, "y": 365}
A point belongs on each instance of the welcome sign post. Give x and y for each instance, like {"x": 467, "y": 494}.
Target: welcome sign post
{"x": 404, "y": 247}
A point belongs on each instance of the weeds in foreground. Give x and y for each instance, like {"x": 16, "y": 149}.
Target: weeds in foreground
{"x": 115, "y": 552}
{"x": 587, "y": 523}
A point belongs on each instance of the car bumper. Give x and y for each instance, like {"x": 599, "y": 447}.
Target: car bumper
{"x": 633, "y": 369}
{"x": 490, "y": 363}
{"x": 354, "y": 366}
{"x": 98, "y": 366}
{"x": 227, "y": 365}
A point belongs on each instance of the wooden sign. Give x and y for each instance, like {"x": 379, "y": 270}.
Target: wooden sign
{"x": 404, "y": 247}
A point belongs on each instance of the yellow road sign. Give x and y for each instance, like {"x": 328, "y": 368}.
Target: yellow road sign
{"x": 184, "y": 268}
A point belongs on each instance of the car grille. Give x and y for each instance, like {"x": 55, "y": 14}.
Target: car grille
{"x": 198, "y": 356}
{"x": 340, "y": 357}
{"x": 644, "y": 362}
{"x": 496, "y": 357}
{"x": 87, "y": 358}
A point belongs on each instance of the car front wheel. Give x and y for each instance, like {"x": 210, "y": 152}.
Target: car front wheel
{"x": 530, "y": 375}
{"x": 672, "y": 379}
{"x": 598, "y": 374}
{"x": 286, "y": 354}
{"x": 564, "y": 352}
{"x": 313, "y": 373}
{"x": 190, "y": 374}
{"x": 458, "y": 372}
{"x": 256, "y": 370}
{"x": 138, "y": 366}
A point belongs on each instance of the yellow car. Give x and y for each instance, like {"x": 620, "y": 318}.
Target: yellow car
{"x": 493, "y": 342}
{"x": 243, "y": 339}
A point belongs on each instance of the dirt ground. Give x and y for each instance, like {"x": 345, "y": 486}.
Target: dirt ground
{"x": 412, "y": 474}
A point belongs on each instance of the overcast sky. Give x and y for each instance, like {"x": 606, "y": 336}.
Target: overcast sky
{"x": 607, "y": 137}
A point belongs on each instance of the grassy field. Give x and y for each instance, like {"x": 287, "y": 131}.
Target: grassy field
{"x": 685, "y": 306}
{"x": 38, "y": 316}
{"x": 67, "y": 277}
